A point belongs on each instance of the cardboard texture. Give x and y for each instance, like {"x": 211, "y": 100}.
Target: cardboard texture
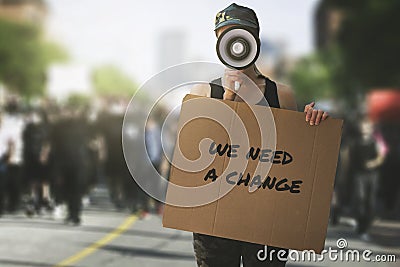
{"x": 293, "y": 216}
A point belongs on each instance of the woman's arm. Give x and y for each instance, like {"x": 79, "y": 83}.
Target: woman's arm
{"x": 286, "y": 97}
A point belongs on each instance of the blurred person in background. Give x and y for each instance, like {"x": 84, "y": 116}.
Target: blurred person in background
{"x": 12, "y": 125}
{"x": 70, "y": 157}
{"x": 365, "y": 175}
{"x": 36, "y": 153}
{"x": 388, "y": 135}
{"x": 356, "y": 179}
{"x": 121, "y": 186}
{"x": 213, "y": 251}
{"x": 155, "y": 154}
{"x": 4, "y": 157}
{"x": 383, "y": 107}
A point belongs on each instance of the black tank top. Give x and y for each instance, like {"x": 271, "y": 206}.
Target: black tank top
{"x": 270, "y": 92}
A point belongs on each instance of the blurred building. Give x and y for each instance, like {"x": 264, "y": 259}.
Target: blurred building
{"x": 327, "y": 23}
{"x": 271, "y": 52}
{"x": 273, "y": 60}
{"x": 31, "y": 11}
{"x": 171, "y": 48}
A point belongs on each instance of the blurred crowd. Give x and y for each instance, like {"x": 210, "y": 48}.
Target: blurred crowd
{"x": 52, "y": 155}
{"x": 367, "y": 184}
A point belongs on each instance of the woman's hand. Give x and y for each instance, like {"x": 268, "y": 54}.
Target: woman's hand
{"x": 314, "y": 116}
{"x": 239, "y": 87}
{"x": 228, "y": 83}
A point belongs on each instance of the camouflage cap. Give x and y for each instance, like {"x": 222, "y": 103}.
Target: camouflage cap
{"x": 237, "y": 15}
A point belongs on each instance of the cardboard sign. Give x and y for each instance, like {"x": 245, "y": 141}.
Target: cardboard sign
{"x": 267, "y": 177}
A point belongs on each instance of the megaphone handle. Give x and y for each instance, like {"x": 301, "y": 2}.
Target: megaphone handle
{"x": 237, "y": 86}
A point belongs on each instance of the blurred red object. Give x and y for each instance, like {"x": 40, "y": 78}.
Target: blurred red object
{"x": 384, "y": 105}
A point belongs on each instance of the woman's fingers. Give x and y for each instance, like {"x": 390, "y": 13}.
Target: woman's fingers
{"x": 308, "y": 107}
{"x": 230, "y": 78}
{"x": 319, "y": 116}
{"x": 325, "y": 115}
{"x": 229, "y": 95}
{"x": 314, "y": 114}
{"x": 308, "y": 113}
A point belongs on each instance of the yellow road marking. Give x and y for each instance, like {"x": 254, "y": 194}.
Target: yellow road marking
{"x": 100, "y": 243}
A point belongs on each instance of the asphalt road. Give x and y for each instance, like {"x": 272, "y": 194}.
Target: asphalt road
{"x": 110, "y": 238}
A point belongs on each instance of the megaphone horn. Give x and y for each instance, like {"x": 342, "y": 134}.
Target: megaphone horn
{"x": 238, "y": 48}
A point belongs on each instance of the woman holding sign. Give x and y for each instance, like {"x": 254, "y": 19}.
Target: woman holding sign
{"x": 235, "y": 27}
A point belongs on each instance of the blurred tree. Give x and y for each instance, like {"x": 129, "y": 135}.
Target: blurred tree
{"x": 22, "y": 65}
{"x": 369, "y": 41}
{"x": 53, "y": 52}
{"x": 323, "y": 75}
{"x": 311, "y": 79}
{"x": 24, "y": 57}
{"x": 78, "y": 101}
{"x": 358, "y": 50}
{"x": 108, "y": 80}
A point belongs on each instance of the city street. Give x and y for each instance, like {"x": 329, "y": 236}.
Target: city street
{"x": 104, "y": 101}
{"x": 110, "y": 238}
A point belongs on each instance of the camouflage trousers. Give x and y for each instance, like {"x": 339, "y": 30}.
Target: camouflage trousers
{"x": 213, "y": 251}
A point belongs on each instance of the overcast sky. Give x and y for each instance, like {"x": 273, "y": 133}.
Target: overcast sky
{"x": 127, "y": 32}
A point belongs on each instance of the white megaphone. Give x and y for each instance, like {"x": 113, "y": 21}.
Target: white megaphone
{"x": 238, "y": 48}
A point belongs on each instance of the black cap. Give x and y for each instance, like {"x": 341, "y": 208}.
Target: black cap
{"x": 237, "y": 15}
